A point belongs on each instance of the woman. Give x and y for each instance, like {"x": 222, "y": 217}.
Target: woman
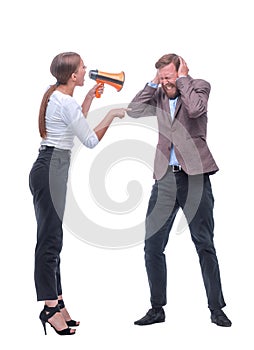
{"x": 60, "y": 120}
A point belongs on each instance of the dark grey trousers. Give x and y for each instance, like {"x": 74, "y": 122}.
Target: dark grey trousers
{"x": 48, "y": 184}
{"x": 194, "y": 195}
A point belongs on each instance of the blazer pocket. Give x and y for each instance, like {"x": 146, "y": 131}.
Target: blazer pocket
{"x": 196, "y": 137}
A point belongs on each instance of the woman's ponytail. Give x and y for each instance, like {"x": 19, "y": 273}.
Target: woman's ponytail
{"x": 42, "y": 112}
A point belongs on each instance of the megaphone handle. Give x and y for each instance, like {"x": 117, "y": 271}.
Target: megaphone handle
{"x": 97, "y": 93}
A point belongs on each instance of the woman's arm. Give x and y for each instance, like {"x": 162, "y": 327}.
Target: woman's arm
{"x": 102, "y": 127}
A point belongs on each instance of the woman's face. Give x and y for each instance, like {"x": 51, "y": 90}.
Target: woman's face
{"x": 80, "y": 74}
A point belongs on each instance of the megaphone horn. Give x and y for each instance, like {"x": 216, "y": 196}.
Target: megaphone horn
{"x": 114, "y": 79}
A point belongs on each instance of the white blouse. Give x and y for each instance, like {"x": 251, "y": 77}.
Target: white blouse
{"x": 64, "y": 121}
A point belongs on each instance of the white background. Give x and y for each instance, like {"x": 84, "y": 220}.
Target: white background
{"x": 107, "y": 289}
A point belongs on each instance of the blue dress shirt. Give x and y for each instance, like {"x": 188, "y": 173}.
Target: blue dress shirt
{"x": 172, "y": 159}
{"x": 172, "y": 104}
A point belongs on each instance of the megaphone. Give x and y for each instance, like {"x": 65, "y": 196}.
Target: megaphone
{"x": 114, "y": 79}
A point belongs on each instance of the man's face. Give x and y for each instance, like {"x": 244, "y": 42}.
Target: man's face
{"x": 168, "y": 76}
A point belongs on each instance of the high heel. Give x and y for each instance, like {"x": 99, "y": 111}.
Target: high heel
{"x": 70, "y": 323}
{"x": 49, "y": 312}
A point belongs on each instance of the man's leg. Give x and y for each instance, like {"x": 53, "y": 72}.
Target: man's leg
{"x": 202, "y": 233}
{"x": 161, "y": 213}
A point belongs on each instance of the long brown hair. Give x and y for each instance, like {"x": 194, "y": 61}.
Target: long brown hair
{"x": 62, "y": 67}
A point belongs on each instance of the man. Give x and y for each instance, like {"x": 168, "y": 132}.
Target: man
{"x": 183, "y": 164}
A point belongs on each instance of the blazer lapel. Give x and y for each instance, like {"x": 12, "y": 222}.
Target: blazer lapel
{"x": 178, "y": 105}
{"x": 166, "y": 109}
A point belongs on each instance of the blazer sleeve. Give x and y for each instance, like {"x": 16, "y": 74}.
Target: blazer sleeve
{"x": 144, "y": 103}
{"x": 194, "y": 95}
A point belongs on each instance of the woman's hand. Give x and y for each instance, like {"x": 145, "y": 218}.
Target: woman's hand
{"x": 119, "y": 112}
{"x": 98, "y": 87}
{"x": 90, "y": 96}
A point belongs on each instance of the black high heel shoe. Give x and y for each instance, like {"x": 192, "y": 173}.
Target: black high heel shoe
{"x": 70, "y": 323}
{"x": 46, "y": 314}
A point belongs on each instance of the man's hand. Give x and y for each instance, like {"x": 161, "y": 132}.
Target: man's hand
{"x": 156, "y": 80}
{"x": 183, "y": 68}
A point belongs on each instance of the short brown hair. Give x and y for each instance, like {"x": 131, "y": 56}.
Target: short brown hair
{"x": 167, "y": 59}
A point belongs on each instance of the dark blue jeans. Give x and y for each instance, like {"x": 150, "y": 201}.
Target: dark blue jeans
{"x": 48, "y": 184}
{"x": 193, "y": 194}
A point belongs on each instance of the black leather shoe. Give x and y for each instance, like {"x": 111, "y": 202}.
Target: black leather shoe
{"x": 218, "y": 317}
{"x": 152, "y": 316}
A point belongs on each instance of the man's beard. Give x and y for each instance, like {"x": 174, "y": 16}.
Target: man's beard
{"x": 171, "y": 91}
